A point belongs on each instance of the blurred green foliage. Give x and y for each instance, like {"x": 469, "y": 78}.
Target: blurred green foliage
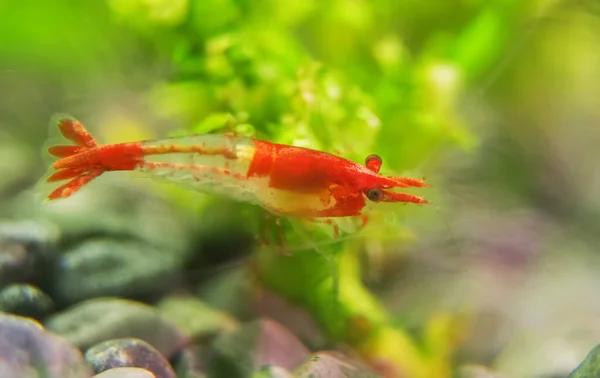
{"x": 346, "y": 76}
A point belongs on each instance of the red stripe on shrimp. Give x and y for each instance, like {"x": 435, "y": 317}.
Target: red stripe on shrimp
{"x": 264, "y": 158}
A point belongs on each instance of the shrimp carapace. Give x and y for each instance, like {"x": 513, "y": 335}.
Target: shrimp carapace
{"x": 285, "y": 180}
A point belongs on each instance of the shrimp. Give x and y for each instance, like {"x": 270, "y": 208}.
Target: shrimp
{"x": 285, "y": 180}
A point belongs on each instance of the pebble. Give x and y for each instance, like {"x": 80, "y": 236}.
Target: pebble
{"x": 98, "y": 212}
{"x": 476, "y": 371}
{"x": 229, "y": 292}
{"x": 27, "y": 249}
{"x": 27, "y": 350}
{"x": 128, "y": 353}
{"x": 108, "y": 267}
{"x": 126, "y": 372}
{"x": 255, "y": 344}
{"x": 332, "y": 365}
{"x": 25, "y": 300}
{"x": 187, "y": 363}
{"x": 273, "y": 372}
{"x": 102, "y": 319}
{"x": 194, "y": 318}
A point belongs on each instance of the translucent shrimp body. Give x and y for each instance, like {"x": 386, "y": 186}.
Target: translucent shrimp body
{"x": 209, "y": 163}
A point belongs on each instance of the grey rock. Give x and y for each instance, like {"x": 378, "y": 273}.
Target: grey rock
{"x": 333, "y": 365}
{"x": 25, "y": 300}
{"x": 477, "y": 371}
{"x": 194, "y": 318}
{"x": 102, "y": 319}
{"x": 28, "y": 351}
{"x": 272, "y": 372}
{"x": 128, "y": 353}
{"x": 27, "y": 249}
{"x": 255, "y": 344}
{"x": 106, "y": 267}
{"x": 126, "y": 372}
{"x": 267, "y": 303}
{"x": 229, "y": 292}
{"x": 187, "y": 363}
{"x": 113, "y": 208}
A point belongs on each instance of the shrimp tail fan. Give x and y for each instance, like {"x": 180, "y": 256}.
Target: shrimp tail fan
{"x": 73, "y": 163}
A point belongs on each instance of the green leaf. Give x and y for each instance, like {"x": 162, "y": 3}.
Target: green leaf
{"x": 590, "y": 366}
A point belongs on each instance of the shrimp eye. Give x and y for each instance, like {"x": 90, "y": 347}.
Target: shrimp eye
{"x": 373, "y": 162}
{"x": 375, "y": 194}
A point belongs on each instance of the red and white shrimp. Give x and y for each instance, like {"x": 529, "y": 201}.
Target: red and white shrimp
{"x": 285, "y": 180}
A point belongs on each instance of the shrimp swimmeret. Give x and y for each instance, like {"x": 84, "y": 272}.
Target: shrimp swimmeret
{"x": 285, "y": 180}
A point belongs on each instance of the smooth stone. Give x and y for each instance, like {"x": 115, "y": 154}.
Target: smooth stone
{"x": 102, "y": 319}
{"x": 530, "y": 354}
{"x": 126, "y": 372}
{"x": 27, "y": 350}
{"x": 590, "y": 366}
{"x": 297, "y": 319}
{"x": 272, "y": 372}
{"x": 188, "y": 364}
{"x": 477, "y": 371}
{"x": 114, "y": 208}
{"x": 333, "y": 365}
{"x": 108, "y": 267}
{"x": 27, "y": 250}
{"x": 25, "y": 300}
{"x": 229, "y": 292}
{"x": 128, "y": 353}
{"x": 194, "y": 318}
{"x": 255, "y": 344}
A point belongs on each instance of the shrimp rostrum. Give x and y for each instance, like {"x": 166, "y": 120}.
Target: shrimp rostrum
{"x": 285, "y": 180}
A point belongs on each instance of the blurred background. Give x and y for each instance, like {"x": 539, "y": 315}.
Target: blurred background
{"x": 495, "y": 102}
